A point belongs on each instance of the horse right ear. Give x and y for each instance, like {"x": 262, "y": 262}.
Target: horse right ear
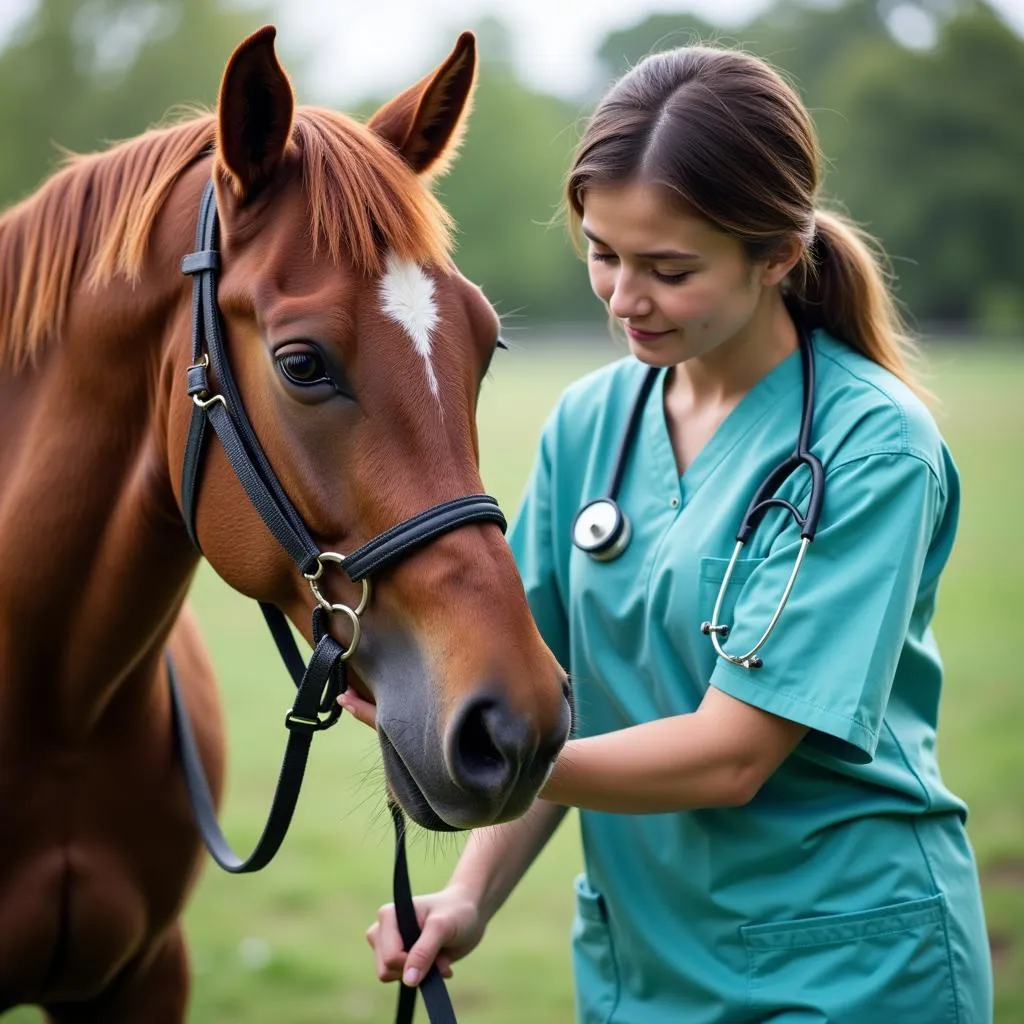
{"x": 426, "y": 122}
{"x": 254, "y": 113}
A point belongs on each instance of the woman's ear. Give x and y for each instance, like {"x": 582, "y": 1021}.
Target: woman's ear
{"x": 782, "y": 260}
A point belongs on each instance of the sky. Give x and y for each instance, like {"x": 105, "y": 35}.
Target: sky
{"x": 553, "y": 40}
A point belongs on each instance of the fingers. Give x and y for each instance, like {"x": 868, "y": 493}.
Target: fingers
{"x": 392, "y": 960}
{"x": 360, "y": 709}
{"x": 386, "y": 942}
{"x": 436, "y": 933}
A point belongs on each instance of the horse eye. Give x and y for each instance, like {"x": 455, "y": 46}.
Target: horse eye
{"x": 303, "y": 367}
{"x": 501, "y": 343}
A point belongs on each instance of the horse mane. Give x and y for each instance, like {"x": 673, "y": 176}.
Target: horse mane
{"x": 92, "y": 220}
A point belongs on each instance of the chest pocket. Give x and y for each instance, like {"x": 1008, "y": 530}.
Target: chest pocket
{"x": 712, "y": 572}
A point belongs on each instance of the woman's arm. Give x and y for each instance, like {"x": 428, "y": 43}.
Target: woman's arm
{"x": 496, "y": 858}
{"x": 718, "y": 756}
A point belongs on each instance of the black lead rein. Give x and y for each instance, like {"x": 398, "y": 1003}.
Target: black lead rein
{"x": 318, "y": 683}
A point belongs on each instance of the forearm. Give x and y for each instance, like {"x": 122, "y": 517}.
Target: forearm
{"x": 496, "y": 858}
{"x": 718, "y": 756}
{"x": 645, "y": 769}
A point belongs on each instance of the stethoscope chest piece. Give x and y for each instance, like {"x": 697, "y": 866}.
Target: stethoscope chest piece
{"x": 601, "y": 530}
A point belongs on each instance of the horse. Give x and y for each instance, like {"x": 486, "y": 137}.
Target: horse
{"x": 358, "y": 351}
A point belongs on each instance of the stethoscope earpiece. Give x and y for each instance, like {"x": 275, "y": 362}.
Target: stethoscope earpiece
{"x": 601, "y": 529}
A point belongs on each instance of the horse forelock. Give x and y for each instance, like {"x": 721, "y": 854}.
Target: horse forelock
{"x": 91, "y": 222}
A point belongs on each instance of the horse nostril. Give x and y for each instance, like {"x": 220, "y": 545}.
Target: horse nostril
{"x": 476, "y": 748}
{"x": 487, "y": 745}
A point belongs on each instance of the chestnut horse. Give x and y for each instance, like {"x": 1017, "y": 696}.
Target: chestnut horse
{"x": 358, "y": 351}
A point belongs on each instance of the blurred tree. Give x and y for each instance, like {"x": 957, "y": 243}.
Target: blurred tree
{"x": 931, "y": 160}
{"x": 626, "y": 47}
{"x": 504, "y": 192}
{"x": 917, "y": 104}
{"x": 78, "y": 75}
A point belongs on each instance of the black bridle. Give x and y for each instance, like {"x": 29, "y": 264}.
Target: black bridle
{"x": 318, "y": 683}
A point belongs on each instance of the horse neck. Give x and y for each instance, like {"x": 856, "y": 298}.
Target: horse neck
{"x": 95, "y": 557}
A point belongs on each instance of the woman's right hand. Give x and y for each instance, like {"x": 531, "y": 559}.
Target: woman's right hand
{"x": 451, "y": 926}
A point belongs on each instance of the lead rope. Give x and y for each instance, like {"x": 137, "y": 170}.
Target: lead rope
{"x": 432, "y": 987}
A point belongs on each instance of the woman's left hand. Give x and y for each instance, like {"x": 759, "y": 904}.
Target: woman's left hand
{"x": 360, "y": 709}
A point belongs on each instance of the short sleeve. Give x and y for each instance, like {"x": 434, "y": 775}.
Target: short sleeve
{"x": 533, "y": 546}
{"x": 831, "y": 660}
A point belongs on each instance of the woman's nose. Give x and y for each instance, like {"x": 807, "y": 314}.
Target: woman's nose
{"x": 628, "y": 299}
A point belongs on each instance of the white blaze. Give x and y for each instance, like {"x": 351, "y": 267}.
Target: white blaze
{"x": 407, "y": 297}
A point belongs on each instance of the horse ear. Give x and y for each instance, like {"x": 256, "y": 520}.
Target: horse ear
{"x": 426, "y": 122}
{"x": 254, "y": 112}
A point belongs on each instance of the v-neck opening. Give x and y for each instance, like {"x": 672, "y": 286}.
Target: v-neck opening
{"x": 744, "y": 416}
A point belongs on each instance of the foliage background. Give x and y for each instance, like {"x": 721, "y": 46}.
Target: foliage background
{"x": 924, "y": 137}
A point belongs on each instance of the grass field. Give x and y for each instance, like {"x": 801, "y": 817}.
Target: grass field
{"x": 286, "y": 946}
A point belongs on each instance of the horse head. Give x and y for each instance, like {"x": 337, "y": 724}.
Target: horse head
{"x": 358, "y": 351}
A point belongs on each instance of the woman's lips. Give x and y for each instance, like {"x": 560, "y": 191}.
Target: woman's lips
{"x": 638, "y": 335}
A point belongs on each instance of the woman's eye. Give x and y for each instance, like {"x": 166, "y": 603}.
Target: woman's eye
{"x": 673, "y": 278}
{"x": 602, "y": 257}
{"x": 303, "y": 367}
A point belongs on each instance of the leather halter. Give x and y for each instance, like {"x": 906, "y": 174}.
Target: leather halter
{"x": 319, "y": 682}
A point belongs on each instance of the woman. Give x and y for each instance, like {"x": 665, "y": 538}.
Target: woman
{"x": 770, "y": 839}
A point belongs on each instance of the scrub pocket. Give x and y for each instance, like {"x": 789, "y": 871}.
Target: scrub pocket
{"x": 712, "y": 572}
{"x": 596, "y": 974}
{"x": 888, "y": 964}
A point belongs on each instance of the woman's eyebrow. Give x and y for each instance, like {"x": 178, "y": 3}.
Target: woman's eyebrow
{"x": 660, "y": 254}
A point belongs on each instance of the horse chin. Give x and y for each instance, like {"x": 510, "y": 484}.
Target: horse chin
{"x": 406, "y": 791}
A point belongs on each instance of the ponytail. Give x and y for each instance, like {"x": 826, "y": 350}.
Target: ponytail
{"x": 842, "y": 286}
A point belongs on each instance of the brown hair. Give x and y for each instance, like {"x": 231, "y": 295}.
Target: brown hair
{"x": 724, "y": 132}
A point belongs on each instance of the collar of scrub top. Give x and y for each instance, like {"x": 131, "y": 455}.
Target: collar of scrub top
{"x": 602, "y": 529}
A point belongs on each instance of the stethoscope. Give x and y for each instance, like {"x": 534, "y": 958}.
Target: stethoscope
{"x": 602, "y": 529}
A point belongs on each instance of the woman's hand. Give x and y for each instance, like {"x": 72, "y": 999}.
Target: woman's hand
{"x": 360, "y": 709}
{"x": 451, "y": 927}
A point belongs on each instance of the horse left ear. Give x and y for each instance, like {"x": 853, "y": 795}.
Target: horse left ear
{"x": 254, "y": 112}
{"x": 426, "y": 122}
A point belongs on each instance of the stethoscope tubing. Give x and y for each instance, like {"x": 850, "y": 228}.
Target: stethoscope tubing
{"x": 604, "y": 544}
{"x": 801, "y": 456}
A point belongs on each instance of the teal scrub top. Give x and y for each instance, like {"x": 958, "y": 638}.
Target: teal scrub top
{"x": 846, "y": 889}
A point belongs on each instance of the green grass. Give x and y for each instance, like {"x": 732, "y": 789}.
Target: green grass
{"x": 286, "y": 946}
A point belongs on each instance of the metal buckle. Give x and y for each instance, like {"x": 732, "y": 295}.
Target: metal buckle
{"x": 294, "y": 722}
{"x": 206, "y": 403}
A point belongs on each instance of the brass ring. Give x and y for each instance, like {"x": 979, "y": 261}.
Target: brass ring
{"x": 364, "y": 598}
{"x": 312, "y": 577}
{"x": 357, "y": 630}
{"x": 324, "y": 556}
